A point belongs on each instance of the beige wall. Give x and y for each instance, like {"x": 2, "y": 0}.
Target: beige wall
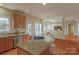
{"x": 6, "y": 13}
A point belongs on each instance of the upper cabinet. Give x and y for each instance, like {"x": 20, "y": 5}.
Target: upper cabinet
{"x": 19, "y": 20}
{"x": 23, "y": 21}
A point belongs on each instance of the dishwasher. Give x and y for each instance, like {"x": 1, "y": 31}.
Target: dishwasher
{"x": 17, "y": 39}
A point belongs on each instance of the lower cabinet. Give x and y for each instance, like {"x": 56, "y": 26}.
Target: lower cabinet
{"x": 2, "y": 44}
{"x": 45, "y": 52}
{"x": 6, "y": 43}
{"x": 26, "y": 37}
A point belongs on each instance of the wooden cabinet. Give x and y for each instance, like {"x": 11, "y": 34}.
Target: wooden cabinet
{"x": 6, "y": 43}
{"x": 45, "y": 52}
{"x": 19, "y": 20}
{"x": 26, "y": 38}
{"x": 2, "y": 44}
{"x": 23, "y": 21}
{"x": 16, "y": 20}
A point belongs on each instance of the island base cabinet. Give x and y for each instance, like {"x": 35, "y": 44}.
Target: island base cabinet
{"x": 45, "y": 52}
{"x": 27, "y": 37}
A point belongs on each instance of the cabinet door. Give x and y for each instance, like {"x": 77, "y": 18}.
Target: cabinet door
{"x": 23, "y": 21}
{"x": 24, "y": 17}
{"x": 9, "y": 43}
{"x": 26, "y": 37}
{"x": 45, "y": 52}
{"x": 17, "y": 21}
{"x": 2, "y": 44}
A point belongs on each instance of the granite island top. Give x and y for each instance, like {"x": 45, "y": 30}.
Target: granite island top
{"x": 34, "y": 46}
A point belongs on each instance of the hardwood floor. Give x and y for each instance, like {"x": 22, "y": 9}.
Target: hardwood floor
{"x": 18, "y": 51}
{"x": 11, "y": 52}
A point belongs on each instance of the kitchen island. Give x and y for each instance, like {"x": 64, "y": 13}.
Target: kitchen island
{"x": 34, "y": 47}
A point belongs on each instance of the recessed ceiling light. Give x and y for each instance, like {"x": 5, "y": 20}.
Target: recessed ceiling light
{"x": 1, "y": 4}
{"x": 27, "y": 10}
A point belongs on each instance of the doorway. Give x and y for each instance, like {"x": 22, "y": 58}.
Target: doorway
{"x": 71, "y": 28}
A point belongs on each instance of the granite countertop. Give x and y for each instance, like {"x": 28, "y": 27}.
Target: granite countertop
{"x": 34, "y": 46}
{"x": 7, "y": 35}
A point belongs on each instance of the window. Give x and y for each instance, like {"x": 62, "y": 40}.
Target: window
{"x": 4, "y": 24}
{"x": 38, "y": 29}
{"x": 30, "y": 29}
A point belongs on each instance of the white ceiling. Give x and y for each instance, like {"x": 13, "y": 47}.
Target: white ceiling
{"x": 50, "y": 9}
